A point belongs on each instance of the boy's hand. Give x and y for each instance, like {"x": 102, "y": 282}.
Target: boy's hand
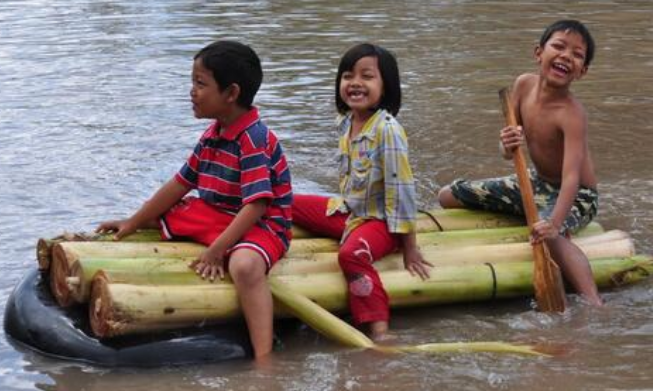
{"x": 121, "y": 228}
{"x": 511, "y": 138}
{"x": 210, "y": 264}
{"x": 544, "y": 230}
{"x": 415, "y": 263}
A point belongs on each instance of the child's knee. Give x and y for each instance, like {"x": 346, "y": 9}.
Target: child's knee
{"x": 447, "y": 199}
{"x": 247, "y": 267}
{"x": 355, "y": 258}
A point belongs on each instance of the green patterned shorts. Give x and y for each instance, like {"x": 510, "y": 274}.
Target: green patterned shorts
{"x": 502, "y": 195}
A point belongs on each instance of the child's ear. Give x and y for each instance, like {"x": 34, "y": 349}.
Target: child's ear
{"x": 233, "y": 92}
{"x": 537, "y": 53}
{"x": 583, "y": 71}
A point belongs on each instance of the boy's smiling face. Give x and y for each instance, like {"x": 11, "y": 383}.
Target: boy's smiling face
{"x": 562, "y": 59}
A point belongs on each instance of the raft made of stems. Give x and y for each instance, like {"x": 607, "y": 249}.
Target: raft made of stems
{"x": 70, "y": 283}
{"x": 427, "y": 221}
{"x": 121, "y": 309}
{"x": 65, "y": 254}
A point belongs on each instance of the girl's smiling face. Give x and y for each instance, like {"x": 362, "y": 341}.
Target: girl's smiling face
{"x": 361, "y": 88}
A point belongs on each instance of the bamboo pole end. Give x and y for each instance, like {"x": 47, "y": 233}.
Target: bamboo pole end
{"x": 59, "y": 271}
{"x": 100, "y": 306}
{"x": 43, "y": 253}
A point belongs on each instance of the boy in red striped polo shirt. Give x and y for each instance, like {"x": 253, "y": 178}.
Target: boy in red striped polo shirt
{"x": 240, "y": 172}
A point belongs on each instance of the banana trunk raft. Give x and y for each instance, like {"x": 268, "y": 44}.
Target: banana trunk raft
{"x": 127, "y": 303}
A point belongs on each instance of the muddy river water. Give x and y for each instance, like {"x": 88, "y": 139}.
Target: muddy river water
{"x": 95, "y": 115}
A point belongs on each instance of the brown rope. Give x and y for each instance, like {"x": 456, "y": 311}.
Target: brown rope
{"x": 437, "y": 223}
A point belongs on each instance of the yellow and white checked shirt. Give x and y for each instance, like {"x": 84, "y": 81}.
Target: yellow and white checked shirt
{"x": 376, "y": 181}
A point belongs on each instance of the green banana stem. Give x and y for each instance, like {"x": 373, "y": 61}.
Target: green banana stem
{"x": 340, "y": 331}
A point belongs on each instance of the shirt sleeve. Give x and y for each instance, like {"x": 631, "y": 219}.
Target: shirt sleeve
{"x": 400, "y": 205}
{"x": 189, "y": 172}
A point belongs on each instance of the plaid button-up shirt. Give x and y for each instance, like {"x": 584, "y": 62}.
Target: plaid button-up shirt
{"x": 376, "y": 181}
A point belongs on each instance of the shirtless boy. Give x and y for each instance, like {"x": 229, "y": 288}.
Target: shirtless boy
{"x": 555, "y": 133}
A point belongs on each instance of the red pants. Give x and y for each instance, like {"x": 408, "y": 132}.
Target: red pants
{"x": 368, "y": 301}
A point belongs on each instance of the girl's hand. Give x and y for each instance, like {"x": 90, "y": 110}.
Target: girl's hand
{"x": 415, "y": 263}
{"x": 121, "y": 228}
{"x": 544, "y": 230}
{"x": 210, "y": 264}
{"x": 511, "y": 138}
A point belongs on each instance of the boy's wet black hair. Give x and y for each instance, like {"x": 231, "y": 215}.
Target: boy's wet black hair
{"x": 391, "y": 97}
{"x": 575, "y": 26}
{"x": 233, "y": 63}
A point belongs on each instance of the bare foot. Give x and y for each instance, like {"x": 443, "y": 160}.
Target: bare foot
{"x": 379, "y": 332}
{"x": 264, "y": 362}
{"x": 595, "y": 301}
{"x": 385, "y": 339}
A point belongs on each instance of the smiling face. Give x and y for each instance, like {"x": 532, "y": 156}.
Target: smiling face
{"x": 562, "y": 59}
{"x": 209, "y": 100}
{"x": 361, "y": 88}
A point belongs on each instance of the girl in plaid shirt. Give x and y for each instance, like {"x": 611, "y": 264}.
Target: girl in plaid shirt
{"x": 375, "y": 212}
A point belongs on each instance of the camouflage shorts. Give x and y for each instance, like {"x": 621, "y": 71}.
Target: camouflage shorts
{"x": 502, "y": 195}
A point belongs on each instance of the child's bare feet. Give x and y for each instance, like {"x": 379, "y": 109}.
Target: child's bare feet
{"x": 264, "y": 362}
{"x": 594, "y": 300}
{"x": 379, "y": 332}
{"x": 388, "y": 339}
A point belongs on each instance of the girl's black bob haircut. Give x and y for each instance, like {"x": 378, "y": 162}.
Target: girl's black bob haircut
{"x": 391, "y": 97}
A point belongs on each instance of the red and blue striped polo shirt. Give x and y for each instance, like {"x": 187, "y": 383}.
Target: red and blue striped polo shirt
{"x": 240, "y": 164}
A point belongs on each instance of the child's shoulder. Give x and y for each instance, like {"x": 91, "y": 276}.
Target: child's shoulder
{"x": 387, "y": 117}
{"x": 524, "y": 83}
{"x": 388, "y": 127}
{"x": 390, "y": 122}
{"x": 259, "y": 134}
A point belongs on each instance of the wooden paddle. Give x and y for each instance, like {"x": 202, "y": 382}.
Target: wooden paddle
{"x": 547, "y": 280}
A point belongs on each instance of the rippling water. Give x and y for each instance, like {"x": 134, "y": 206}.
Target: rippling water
{"x": 95, "y": 115}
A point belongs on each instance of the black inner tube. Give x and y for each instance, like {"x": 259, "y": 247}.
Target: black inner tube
{"x": 33, "y": 319}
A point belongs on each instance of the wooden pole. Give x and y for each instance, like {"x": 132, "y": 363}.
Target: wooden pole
{"x": 547, "y": 279}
